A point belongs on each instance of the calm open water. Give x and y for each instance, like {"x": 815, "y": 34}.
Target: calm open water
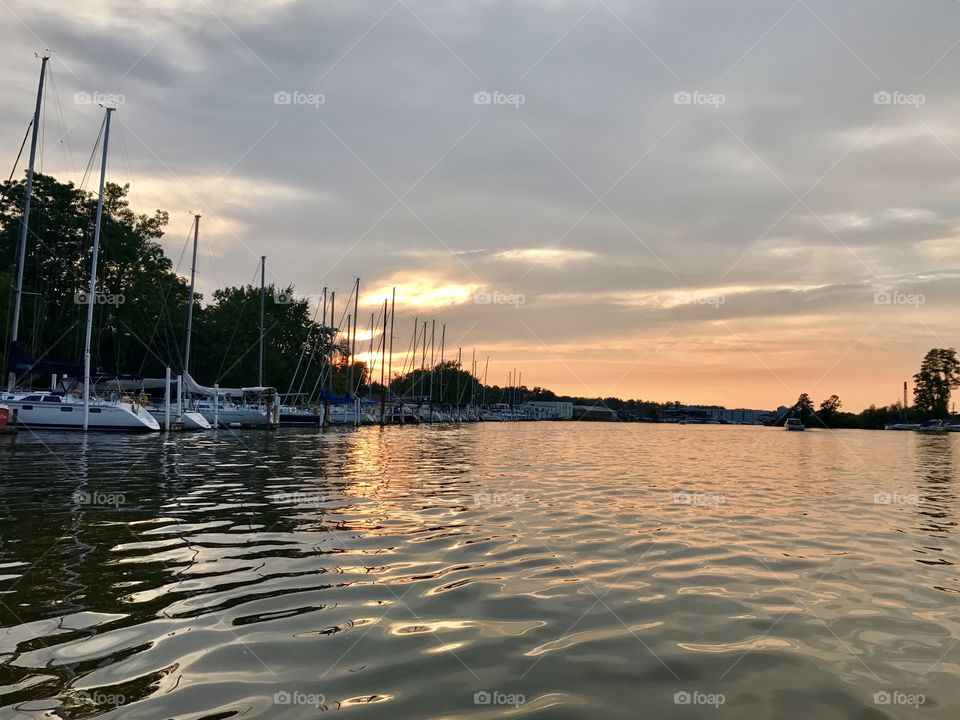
{"x": 543, "y": 570}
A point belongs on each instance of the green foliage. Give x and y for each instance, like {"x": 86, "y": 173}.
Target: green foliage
{"x": 939, "y": 375}
{"x": 132, "y": 265}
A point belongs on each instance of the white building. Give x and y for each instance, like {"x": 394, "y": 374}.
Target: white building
{"x": 551, "y": 410}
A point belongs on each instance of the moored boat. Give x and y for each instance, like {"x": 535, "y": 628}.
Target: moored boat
{"x": 53, "y": 411}
{"x": 5, "y": 426}
{"x": 932, "y": 427}
{"x": 794, "y": 424}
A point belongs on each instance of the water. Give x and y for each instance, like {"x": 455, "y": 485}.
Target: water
{"x": 554, "y": 566}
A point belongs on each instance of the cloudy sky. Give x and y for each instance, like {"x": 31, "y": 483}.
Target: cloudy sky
{"x": 666, "y": 199}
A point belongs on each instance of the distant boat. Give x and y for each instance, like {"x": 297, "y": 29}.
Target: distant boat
{"x": 794, "y": 424}
{"x": 932, "y": 427}
{"x": 901, "y": 426}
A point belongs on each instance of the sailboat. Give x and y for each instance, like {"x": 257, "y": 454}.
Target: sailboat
{"x": 246, "y": 407}
{"x": 65, "y": 410}
{"x": 187, "y": 418}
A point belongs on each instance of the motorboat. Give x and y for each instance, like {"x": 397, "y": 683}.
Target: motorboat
{"x": 300, "y": 416}
{"x": 932, "y": 427}
{"x": 794, "y": 424}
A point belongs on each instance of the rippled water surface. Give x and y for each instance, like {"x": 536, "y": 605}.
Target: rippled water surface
{"x": 555, "y": 570}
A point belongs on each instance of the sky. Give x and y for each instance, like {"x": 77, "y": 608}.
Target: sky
{"x": 704, "y": 201}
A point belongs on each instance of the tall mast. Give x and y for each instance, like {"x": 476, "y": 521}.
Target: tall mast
{"x": 393, "y": 303}
{"x": 92, "y": 296}
{"x": 353, "y": 340}
{"x": 383, "y": 364}
{"x": 193, "y": 285}
{"x": 333, "y": 340}
{"x": 263, "y": 281}
{"x": 24, "y": 223}
{"x": 433, "y": 361}
{"x": 370, "y": 357}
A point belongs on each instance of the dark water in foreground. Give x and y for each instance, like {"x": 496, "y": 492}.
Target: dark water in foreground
{"x": 532, "y": 570}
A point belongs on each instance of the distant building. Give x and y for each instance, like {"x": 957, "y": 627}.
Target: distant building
{"x": 551, "y": 410}
{"x": 594, "y": 412}
{"x": 697, "y": 413}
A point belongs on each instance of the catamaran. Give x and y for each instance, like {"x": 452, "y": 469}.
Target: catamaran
{"x": 66, "y": 410}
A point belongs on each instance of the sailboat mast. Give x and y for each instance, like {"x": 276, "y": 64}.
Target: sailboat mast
{"x": 263, "y": 282}
{"x": 353, "y": 339}
{"x": 24, "y": 223}
{"x": 383, "y": 365}
{"x": 393, "y": 304}
{"x": 193, "y": 286}
{"x": 92, "y": 296}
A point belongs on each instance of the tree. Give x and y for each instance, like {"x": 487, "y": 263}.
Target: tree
{"x": 939, "y": 375}
{"x": 803, "y": 408}
{"x": 144, "y": 320}
{"x": 828, "y": 409}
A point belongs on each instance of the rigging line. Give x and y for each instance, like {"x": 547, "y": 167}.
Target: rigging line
{"x": 16, "y": 162}
{"x": 243, "y": 306}
{"x": 303, "y": 350}
{"x": 61, "y": 116}
{"x": 93, "y": 154}
{"x": 163, "y": 304}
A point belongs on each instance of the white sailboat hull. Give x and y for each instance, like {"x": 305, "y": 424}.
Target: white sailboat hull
{"x": 105, "y": 416}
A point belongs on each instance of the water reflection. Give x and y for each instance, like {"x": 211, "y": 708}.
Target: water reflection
{"x": 401, "y": 572}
